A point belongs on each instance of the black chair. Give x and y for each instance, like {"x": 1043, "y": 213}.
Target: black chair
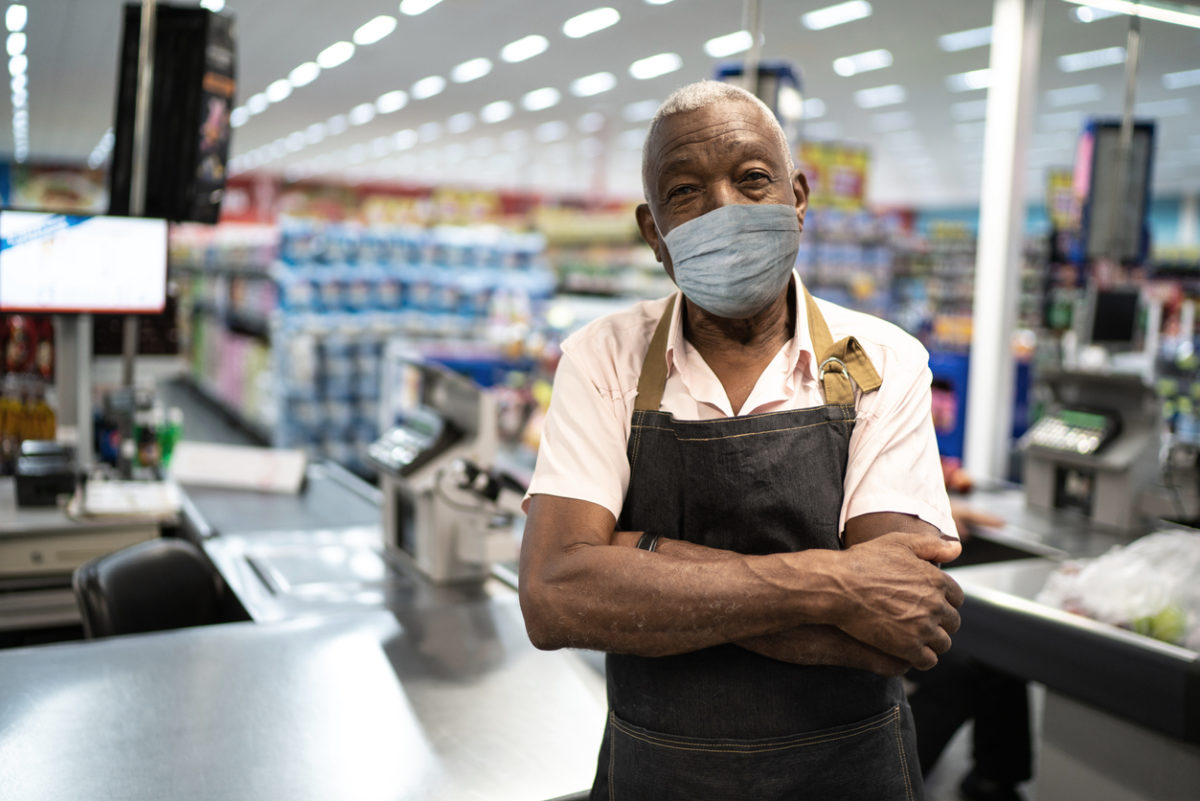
{"x": 154, "y": 585}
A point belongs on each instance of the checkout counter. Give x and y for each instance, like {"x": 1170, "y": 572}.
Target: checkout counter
{"x": 358, "y": 675}
{"x": 370, "y": 671}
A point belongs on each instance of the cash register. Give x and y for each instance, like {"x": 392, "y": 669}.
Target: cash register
{"x": 445, "y": 507}
{"x": 1096, "y": 447}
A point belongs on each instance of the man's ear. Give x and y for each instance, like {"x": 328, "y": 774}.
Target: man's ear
{"x": 648, "y": 230}
{"x": 800, "y": 187}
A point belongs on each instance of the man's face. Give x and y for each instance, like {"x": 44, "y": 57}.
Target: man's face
{"x": 722, "y": 154}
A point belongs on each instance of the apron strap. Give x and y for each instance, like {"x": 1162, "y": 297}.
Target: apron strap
{"x": 837, "y": 362}
{"x": 653, "y": 378}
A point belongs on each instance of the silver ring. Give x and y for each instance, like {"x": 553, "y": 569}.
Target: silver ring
{"x": 823, "y": 370}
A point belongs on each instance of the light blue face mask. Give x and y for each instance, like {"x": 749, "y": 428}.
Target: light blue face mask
{"x": 735, "y": 260}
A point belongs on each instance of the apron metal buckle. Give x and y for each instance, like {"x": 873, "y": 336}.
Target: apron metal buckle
{"x": 838, "y": 366}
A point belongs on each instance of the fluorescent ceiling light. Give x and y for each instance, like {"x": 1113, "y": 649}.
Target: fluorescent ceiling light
{"x": 279, "y": 90}
{"x": 334, "y": 55}
{"x": 16, "y": 43}
{"x": 1091, "y": 59}
{"x": 658, "y": 2}
{"x": 593, "y": 84}
{"x": 471, "y": 70}
{"x": 18, "y": 64}
{"x": 304, "y": 74}
{"x": 239, "y": 116}
{"x": 295, "y": 141}
{"x": 892, "y": 121}
{"x": 461, "y": 122}
{"x": 403, "y": 140}
{"x": 641, "y": 111}
{"x": 497, "y": 111}
{"x": 257, "y": 103}
{"x": 839, "y": 14}
{"x": 589, "y": 22}
{"x": 524, "y": 48}
{"x": 846, "y": 66}
{"x": 1089, "y": 14}
{"x": 789, "y": 103}
{"x": 1071, "y": 95}
{"x": 814, "y": 108}
{"x": 429, "y": 131}
{"x": 1061, "y": 119}
{"x": 967, "y": 81}
{"x": 540, "y": 99}
{"x": 968, "y": 110}
{"x": 654, "y": 66}
{"x": 965, "y": 40}
{"x": 415, "y": 7}
{"x": 336, "y": 124}
{"x": 314, "y": 133}
{"x": 878, "y": 96}
{"x": 428, "y": 87}
{"x": 361, "y": 114}
{"x": 1145, "y": 11}
{"x": 1180, "y": 80}
{"x": 590, "y": 122}
{"x": 15, "y": 17}
{"x": 729, "y": 44}
{"x": 1176, "y": 107}
{"x": 391, "y": 101}
{"x": 215, "y": 6}
{"x": 550, "y": 131}
{"x": 373, "y": 30}
{"x": 19, "y": 83}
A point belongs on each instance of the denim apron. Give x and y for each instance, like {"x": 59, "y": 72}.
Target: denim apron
{"x": 723, "y": 722}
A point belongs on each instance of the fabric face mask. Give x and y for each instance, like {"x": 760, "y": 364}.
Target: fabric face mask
{"x": 734, "y": 260}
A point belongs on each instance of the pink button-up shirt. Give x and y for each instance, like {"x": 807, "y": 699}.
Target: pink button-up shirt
{"x": 893, "y": 462}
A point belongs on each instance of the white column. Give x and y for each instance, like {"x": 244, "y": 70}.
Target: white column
{"x": 1016, "y": 41}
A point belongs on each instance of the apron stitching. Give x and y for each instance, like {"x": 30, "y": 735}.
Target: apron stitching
{"x": 679, "y": 745}
{"x": 637, "y": 441}
{"x": 748, "y": 433}
{"x": 844, "y": 407}
{"x": 612, "y": 756}
{"x": 903, "y": 756}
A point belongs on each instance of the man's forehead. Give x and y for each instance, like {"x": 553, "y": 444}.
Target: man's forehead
{"x": 732, "y": 124}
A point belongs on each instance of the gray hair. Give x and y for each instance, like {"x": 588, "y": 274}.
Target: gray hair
{"x": 696, "y": 96}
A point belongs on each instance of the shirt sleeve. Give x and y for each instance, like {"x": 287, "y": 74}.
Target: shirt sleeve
{"x": 893, "y": 462}
{"x": 582, "y": 451}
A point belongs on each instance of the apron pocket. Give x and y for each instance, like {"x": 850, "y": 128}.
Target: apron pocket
{"x": 862, "y": 761}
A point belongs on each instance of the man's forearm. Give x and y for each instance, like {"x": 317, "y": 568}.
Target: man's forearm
{"x": 624, "y": 600}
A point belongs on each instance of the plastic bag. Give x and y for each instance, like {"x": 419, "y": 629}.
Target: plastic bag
{"x": 1151, "y": 586}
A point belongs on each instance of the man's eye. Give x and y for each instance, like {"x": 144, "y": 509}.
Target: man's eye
{"x": 679, "y": 191}
{"x": 756, "y": 175}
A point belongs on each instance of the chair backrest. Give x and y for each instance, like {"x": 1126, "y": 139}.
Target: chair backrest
{"x": 154, "y": 585}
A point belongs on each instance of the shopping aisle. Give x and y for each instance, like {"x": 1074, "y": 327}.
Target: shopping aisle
{"x": 203, "y": 420}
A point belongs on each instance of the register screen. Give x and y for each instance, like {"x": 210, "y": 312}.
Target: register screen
{"x": 69, "y": 263}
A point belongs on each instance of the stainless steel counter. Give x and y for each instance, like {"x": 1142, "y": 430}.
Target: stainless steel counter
{"x": 351, "y": 706}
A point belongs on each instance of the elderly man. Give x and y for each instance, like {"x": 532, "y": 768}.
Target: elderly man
{"x": 738, "y": 497}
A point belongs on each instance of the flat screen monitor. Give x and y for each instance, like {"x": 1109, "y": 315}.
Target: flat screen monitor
{"x": 1113, "y": 318}
{"x": 63, "y": 263}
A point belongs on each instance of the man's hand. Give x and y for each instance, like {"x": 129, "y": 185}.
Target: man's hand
{"x": 824, "y": 645}
{"x": 892, "y": 597}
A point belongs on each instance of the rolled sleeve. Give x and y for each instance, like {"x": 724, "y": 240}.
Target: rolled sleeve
{"x": 893, "y": 462}
{"x": 582, "y": 452}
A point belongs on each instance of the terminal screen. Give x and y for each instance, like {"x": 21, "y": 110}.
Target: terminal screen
{"x": 62, "y": 263}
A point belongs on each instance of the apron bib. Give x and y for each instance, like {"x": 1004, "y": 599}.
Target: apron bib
{"x": 723, "y": 722}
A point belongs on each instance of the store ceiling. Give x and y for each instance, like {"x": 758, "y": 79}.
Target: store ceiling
{"x": 927, "y": 150}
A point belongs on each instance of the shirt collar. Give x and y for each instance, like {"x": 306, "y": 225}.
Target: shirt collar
{"x": 799, "y": 349}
